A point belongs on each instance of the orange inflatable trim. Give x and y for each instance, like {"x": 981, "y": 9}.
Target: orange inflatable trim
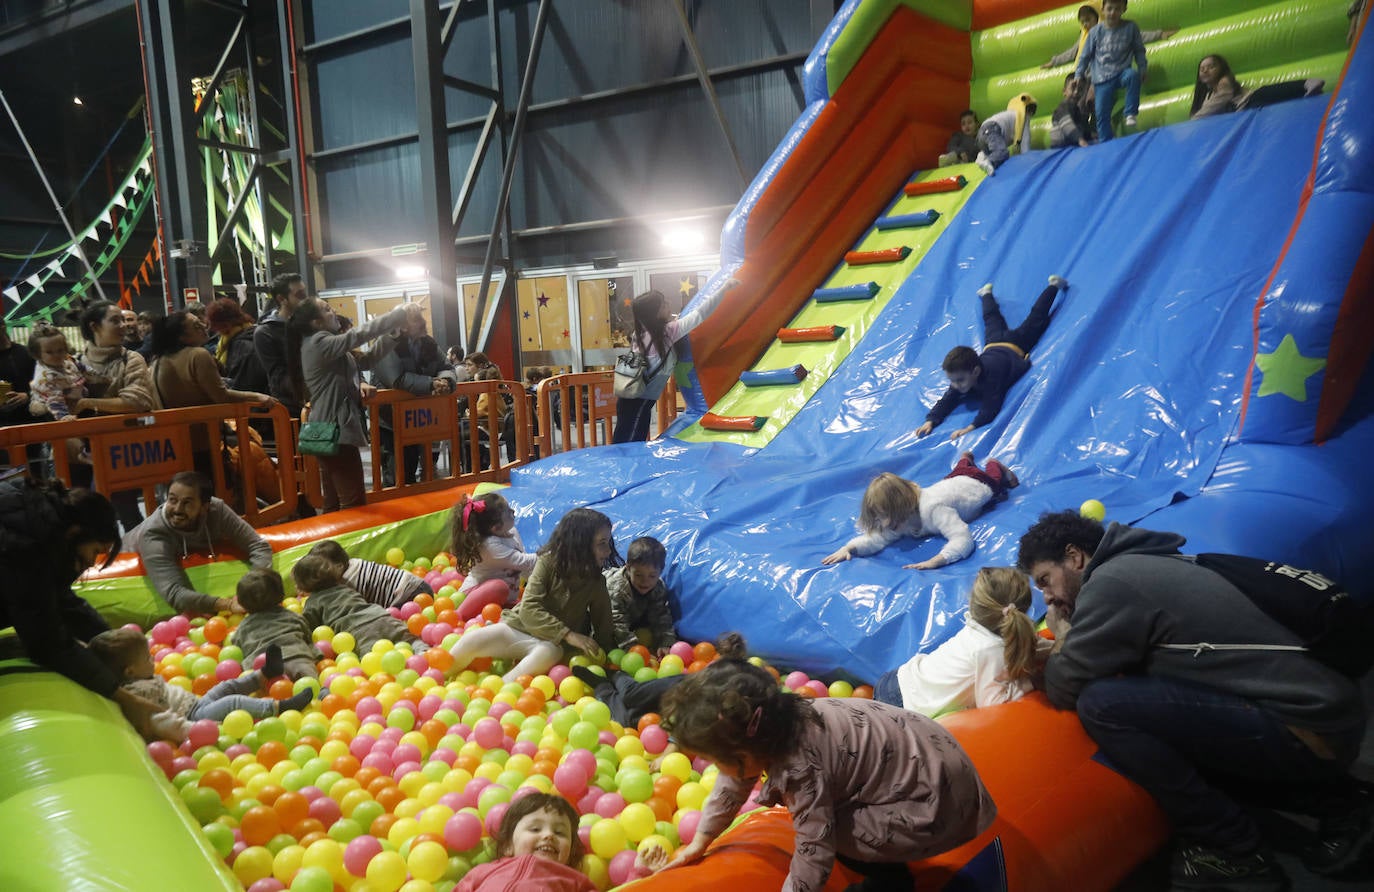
{"x": 324, "y": 526}
{"x": 808, "y": 335}
{"x": 890, "y": 116}
{"x": 713, "y": 422}
{"x": 932, "y": 187}
{"x": 1064, "y": 820}
{"x": 887, "y": 255}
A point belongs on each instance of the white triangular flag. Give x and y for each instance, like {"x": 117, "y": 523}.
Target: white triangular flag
{"x": 56, "y": 266}
{"x": 35, "y": 283}
{"x": 105, "y": 217}
{"x": 12, "y": 294}
{"x": 120, "y": 200}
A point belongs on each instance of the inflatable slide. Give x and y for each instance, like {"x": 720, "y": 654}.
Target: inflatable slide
{"x": 1206, "y": 372}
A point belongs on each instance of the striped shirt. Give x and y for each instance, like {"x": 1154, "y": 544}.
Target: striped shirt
{"x": 382, "y": 583}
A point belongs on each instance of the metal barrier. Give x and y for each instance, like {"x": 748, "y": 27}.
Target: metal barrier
{"x": 140, "y": 451}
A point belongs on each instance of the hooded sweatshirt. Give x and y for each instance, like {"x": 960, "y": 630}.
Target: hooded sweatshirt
{"x": 525, "y": 872}
{"x": 1140, "y": 595}
{"x": 162, "y": 549}
{"x": 37, "y": 598}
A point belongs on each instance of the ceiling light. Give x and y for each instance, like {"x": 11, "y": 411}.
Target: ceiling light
{"x": 683, "y": 239}
{"x": 76, "y": 100}
{"x": 411, "y": 272}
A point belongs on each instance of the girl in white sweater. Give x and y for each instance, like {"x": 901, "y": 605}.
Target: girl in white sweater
{"x": 894, "y": 507}
{"x": 988, "y": 661}
{"x": 488, "y": 549}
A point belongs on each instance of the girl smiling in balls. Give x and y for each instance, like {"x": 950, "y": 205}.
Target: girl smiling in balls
{"x": 537, "y": 847}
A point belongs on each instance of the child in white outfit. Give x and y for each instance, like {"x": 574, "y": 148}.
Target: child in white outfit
{"x": 487, "y": 547}
{"x": 989, "y": 661}
{"x": 894, "y": 507}
{"x": 57, "y": 381}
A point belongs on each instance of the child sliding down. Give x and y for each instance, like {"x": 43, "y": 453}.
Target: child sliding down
{"x": 894, "y": 507}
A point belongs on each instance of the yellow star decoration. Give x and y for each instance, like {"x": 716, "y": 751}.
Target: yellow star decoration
{"x": 1286, "y": 370}
{"x": 686, "y": 285}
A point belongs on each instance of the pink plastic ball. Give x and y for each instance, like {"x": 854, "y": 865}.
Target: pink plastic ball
{"x": 179, "y": 624}
{"x": 494, "y": 816}
{"x": 433, "y": 674}
{"x": 428, "y": 706}
{"x": 819, "y": 687}
{"x": 654, "y": 738}
{"x": 203, "y": 733}
{"x": 584, "y": 759}
{"x": 267, "y": 884}
{"x": 463, "y": 831}
{"x": 359, "y": 851}
{"x": 311, "y": 792}
{"x": 683, "y": 650}
{"x": 236, "y": 750}
{"x": 606, "y": 738}
{"x": 409, "y": 609}
{"x": 404, "y": 768}
{"x": 587, "y": 804}
{"x": 392, "y": 736}
{"x": 405, "y": 752}
{"x": 183, "y": 763}
{"x": 368, "y": 706}
{"x": 795, "y": 680}
{"x": 570, "y": 780}
{"x": 499, "y": 709}
{"x": 227, "y": 670}
{"x": 381, "y": 762}
{"x": 325, "y": 810}
{"x": 359, "y": 747}
{"x": 451, "y": 801}
{"x": 620, "y": 866}
{"x": 163, "y": 634}
{"x": 417, "y": 663}
{"x": 524, "y": 748}
{"x": 326, "y": 650}
{"x": 558, "y": 673}
{"x": 161, "y": 752}
{"x": 447, "y": 756}
{"x": 687, "y": 825}
{"x": 487, "y": 733}
{"x": 610, "y": 805}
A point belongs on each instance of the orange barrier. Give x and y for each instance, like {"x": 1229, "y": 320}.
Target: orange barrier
{"x": 481, "y": 449}
{"x": 1064, "y": 820}
{"x": 139, "y": 451}
{"x": 889, "y": 117}
{"x": 591, "y": 421}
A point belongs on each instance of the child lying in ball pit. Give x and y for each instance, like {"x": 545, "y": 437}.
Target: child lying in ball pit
{"x": 537, "y": 847}
{"x": 125, "y": 651}
{"x": 337, "y": 605}
{"x": 269, "y": 624}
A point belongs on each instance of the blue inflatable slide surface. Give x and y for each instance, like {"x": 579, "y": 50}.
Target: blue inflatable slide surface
{"x": 1134, "y": 398}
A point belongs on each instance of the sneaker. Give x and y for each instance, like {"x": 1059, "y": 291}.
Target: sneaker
{"x": 272, "y": 662}
{"x": 1129, "y": 121}
{"x": 985, "y": 290}
{"x": 948, "y": 158}
{"x": 588, "y": 677}
{"x": 297, "y": 701}
{"x": 984, "y": 164}
{"x": 1312, "y": 86}
{"x": 1199, "y": 868}
{"x": 1342, "y": 842}
{"x": 1060, "y": 282}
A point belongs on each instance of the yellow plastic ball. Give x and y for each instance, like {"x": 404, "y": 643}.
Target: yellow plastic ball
{"x": 237, "y": 724}
{"x": 691, "y": 795}
{"x": 677, "y": 765}
{"x": 321, "y": 633}
{"x": 286, "y": 863}
{"x": 571, "y": 689}
{"x": 253, "y": 863}
{"x": 1093, "y": 510}
{"x": 607, "y": 838}
{"x": 428, "y": 861}
{"x": 385, "y": 872}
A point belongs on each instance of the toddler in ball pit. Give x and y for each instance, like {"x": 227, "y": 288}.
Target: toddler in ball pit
{"x": 125, "y": 651}
{"x": 335, "y": 604}
{"x": 537, "y": 847}
{"x": 268, "y": 624}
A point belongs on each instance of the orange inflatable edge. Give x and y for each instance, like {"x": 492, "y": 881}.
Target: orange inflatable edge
{"x": 324, "y": 526}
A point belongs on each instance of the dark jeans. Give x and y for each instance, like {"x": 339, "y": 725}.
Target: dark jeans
{"x": 1028, "y": 333}
{"x": 629, "y": 700}
{"x": 888, "y": 691}
{"x": 341, "y": 478}
{"x": 632, "y": 418}
{"x": 1185, "y": 743}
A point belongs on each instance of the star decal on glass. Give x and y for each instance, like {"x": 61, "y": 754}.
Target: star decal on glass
{"x": 686, "y": 286}
{"x": 565, "y": 332}
{"x": 1286, "y": 370}
{"x": 543, "y": 300}
{"x": 525, "y": 314}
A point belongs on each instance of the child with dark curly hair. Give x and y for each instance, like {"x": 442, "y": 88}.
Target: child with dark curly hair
{"x": 869, "y": 785}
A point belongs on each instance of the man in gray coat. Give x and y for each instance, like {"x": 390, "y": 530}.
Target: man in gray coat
{"x": 193, "y": 520}
{"x": 1193, "y": 692}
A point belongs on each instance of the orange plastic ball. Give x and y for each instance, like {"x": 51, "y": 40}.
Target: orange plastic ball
{"x": 864, "y": 692}
{"x": 219, "y": 780}
{"x": 216, "y": 630}
{"x": 696, "y": 666}
{"x": 704, "y": 651}
{"x": 259, "y": 824}
{"x": 438, "y": 658}
{"x": 649, "y": 718}
{"x": 307, "y": 840}
{"x": 303, "y": 828}
{"x": 281, "y": 689}
{"x": 346, "y": 765}
{"x": 270, "y": 753}
{"x": 491, "y": 613}
{"x": 268, "y": 795}
{"x": 381, "y": 826}
{"x": 416, "y": 624}
{"x": 202, "y": 684}
{"x": 291, "y": 808}
{"x": 365, "y": 776}
{"x": 331, "y": 703}
{"x": 390, "y": 798}
{"x": 442, "y": 604}
{"x": 663, "y": 808}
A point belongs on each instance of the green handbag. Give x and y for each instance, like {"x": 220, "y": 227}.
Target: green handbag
{"x": 319, "y": 438}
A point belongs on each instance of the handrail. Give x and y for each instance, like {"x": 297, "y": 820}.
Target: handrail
{"x": 592, "y": 421}
{"x": 139, "y": 451}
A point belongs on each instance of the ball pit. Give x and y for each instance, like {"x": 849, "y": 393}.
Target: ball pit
{"x": 398, "y": 775}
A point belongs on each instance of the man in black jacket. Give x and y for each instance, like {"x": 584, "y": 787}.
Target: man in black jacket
{"x": 1193, "y": 692}
{"x": 269, "y": 337}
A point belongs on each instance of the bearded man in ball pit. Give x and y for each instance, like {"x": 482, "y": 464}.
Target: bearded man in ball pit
{"x": 49, "y": 536}
{"x": 191, "y": 519}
